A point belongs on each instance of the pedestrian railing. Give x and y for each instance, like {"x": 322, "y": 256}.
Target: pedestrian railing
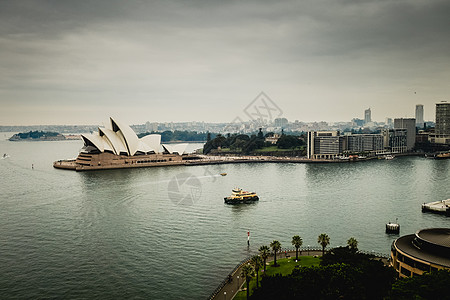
{"x": 225, "y": 281}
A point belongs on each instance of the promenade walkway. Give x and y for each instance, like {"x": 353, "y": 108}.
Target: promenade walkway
{"x": 231, "y": 287}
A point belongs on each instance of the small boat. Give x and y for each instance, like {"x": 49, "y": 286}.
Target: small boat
{"x": 444, "y": 155}
{"x": 223, "y": 174}
{"x": 239, "y": 196}
{"x": 389, "y": 157}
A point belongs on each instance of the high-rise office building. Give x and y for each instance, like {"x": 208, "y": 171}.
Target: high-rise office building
{"x": 419, "y": 116}
{"x": 395, "y": 140}
{"x": 367, "y": 116}
{"x": 325, "y": 144}
{"x": 442, "y": 118}
{"x": 410, "y": 126}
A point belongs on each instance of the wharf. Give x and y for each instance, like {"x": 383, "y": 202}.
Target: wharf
{"x": 198, "y": 161}
{"x": 440, "y": 207}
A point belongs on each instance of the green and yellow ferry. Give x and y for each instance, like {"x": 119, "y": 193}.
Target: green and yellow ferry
{"x": 239, "y": 196}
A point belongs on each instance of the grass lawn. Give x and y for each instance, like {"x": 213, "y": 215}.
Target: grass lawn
{"x": 285, "y": 268}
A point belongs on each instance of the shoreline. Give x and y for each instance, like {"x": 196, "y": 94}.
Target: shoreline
{"x": 199, "y": 160}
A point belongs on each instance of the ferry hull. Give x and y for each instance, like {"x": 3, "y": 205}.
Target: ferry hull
{"x": 239, "y": 201}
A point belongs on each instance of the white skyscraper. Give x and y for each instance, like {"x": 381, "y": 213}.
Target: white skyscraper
{"x": 419, "y": 116}
{"x": 367, "y": 116}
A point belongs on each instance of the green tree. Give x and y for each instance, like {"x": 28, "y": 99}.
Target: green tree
{"x": 260, "y": 134}
{"x": 352, "y": 244}
{"x": 256, "y": 262}
{"x": 323, "y": 240}
{"x": 264, "y": 251}
{"x": 288, "y": 142}
{"x": 432, "y": 285}
{"x": 276, "y": 246}
{"x": 297, "y": 242}
{"x": 368, "y": 280}
{"x": 247, "y": 273}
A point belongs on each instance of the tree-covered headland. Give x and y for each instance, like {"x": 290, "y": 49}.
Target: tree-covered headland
{"x": 255, "y": 144}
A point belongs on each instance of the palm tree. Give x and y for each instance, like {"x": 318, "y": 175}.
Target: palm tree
{"x": 297, "y": 242}
{"x": 323, "y": 240}
{"x": 264, "y": 251}
{"x": 256, "y": 262}
{"x": 352, "y": 244}
{"x": 247, "y": 273}
{"x": 275, "y": 245}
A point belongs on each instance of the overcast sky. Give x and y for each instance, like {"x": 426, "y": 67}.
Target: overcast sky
{"x": 78, "y": 62}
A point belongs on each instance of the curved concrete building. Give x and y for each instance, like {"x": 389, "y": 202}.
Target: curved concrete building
{"x": 425, "y": 251}
{"x": 117, "y": 146}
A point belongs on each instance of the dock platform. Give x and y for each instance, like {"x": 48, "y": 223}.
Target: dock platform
{"x": 440, "y": 207}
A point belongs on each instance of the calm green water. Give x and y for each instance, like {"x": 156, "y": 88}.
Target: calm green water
{"x": 135, "y": 233}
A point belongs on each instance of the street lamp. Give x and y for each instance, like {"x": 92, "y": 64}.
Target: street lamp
{"x": 225, "y": 295}
{"x": 308, "y": 250}
{"x": 237, "y": 283}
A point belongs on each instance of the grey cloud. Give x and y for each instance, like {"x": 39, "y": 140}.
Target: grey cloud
{"x": 199, "y": 50}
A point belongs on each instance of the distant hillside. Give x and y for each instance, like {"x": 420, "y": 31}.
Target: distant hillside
{"x": 38, "y": 136}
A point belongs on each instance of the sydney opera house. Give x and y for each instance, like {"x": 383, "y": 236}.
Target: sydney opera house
{"x": 118, "y": 146}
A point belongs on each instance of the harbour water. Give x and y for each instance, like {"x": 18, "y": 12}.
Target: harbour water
{"x": 149, "y": 233}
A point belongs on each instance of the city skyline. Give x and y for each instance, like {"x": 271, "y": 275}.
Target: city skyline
{"x": 76, "y": 62}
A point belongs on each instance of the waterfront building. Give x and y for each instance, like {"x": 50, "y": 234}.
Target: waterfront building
{"x": 325, "y": 144}
{"x": 369, "y": 143}
{"x": 442, "y": 118}
{"x": 117, "y": 146}
{"x": 419, "y": 116}
{"x": 410, "y": 125}
{"x": 330, "y": 144}
{"x": 427, "y": 250}
{"x": 367, "y": 116}
{"x": 442, "y": 128}
{"x": 394, "y": 140}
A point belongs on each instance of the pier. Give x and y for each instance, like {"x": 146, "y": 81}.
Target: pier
{"x": 439, "y": 207}
{"x": 191, "y": 160}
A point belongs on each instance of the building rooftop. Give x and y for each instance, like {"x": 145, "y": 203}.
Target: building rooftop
{"x": 436, "y": 236}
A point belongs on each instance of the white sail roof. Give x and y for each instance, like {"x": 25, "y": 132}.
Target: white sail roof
{"x": 176, "y": 148}
{"x": 121, "y": 139}
{"x": 116, "y": 143}
{"x": 127, "y": 135}
{"x": 153, "y": 141}
{"x": 95, "y": 140}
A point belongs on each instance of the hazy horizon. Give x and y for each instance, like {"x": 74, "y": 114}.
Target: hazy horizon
{"x": 79, "y": 62}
